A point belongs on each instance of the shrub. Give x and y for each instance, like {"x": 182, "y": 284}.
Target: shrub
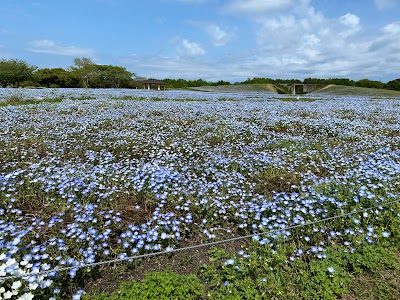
{"x": 159, "y": 285}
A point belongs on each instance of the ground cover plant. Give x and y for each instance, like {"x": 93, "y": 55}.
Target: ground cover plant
{"x": 105, "y": 174}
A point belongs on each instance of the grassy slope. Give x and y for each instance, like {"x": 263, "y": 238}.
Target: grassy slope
{"x": 356, "y": 91}
{"x": 237, "y": 88}
{"x": 339, "y": 90}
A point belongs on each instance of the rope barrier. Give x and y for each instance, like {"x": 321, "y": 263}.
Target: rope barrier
{"x": 130, "y": 258}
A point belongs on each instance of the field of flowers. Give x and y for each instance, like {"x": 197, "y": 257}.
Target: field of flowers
{"x": 105, "y": 174}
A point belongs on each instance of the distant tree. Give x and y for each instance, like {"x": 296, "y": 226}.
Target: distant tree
{"x": 220, "y": 82}
{"x": 257, "y": 80}
{"x": 14, "y": 71}
{"x": 260, "y": 80}
{"x": 84, "y": 69}
{"x": 109, "y": 76}
{"x": 338, "y": 81}
{"x": 370, "y": 84}
{"x": 393, "y": 85}
{"x": 183, "y": 83}
{"x": 56, "y": 77}
{"x": 315, "y": 81}
{"x": 342, "y": 81}
{"x": 101, "y": 76}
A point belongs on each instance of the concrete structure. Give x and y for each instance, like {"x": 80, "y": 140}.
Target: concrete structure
{"x": 154, "y": 82}
{"x": 301, "y": 88}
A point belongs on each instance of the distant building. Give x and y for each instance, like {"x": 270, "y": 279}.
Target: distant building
{"x": 149, "y": 84}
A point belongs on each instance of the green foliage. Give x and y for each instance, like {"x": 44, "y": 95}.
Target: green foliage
{"x": 100, "y": 76}
{"x": 14, "y": 71}
{"x": 159, "y": 285}
{"x": 17, "y": 99}
{"x": 112, "y": 76}
{"x": 370, "y": 84}
{"x": 337, "y": 81}
{"x": 393, "y": 85}
{"x": 182, "y": 83}
{"x": 260, "y": 80}
{"x": 85, "y": 73}
{"x": 56, "y": 77}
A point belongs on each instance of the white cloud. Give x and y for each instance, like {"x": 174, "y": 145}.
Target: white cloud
{"x": 186, "y": 48}
{"x": 297, "y": 42}
{"x": 392, "y": 28}
{"x": 51, "y": 47}
{"x": 350, "y": 20}
{"x": 258, "y": 6}
{"x": 219, "y": 36}
{"x": 385, "y": 4}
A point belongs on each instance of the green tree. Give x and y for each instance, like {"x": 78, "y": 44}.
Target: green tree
{"x": 14, "y": 71}
{"x": 84, "y": 69}
{"x": 56, "y": 77}
{"x": 109, "y": 76}
{"x": 393, "y": 85}
{"x": 370, "y": 84}
{"x": 100, "y": 76}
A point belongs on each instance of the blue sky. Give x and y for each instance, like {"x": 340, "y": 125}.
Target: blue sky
{"x": 211, "y": 39}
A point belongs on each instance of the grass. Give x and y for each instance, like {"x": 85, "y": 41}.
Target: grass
{"x": 261, "y": 272}
{"x": 16, "y": 100}
{"x": 357, "y": 91}
{"x": 236, "y": 88}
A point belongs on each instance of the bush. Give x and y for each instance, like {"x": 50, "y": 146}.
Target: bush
{"x": 14, "y": 98}
{"x": 159, "y": 285}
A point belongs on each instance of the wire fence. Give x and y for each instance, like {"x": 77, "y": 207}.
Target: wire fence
{"x": 146, "y": 255}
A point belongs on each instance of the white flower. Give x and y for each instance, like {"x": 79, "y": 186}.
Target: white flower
{"x": 16, "y": 285}
{"x": 33, "y": 286}
{"x": 331, "y": 270}
{"x": 27, "y": 296}
{"x": 11, "y": 262}
{"x": 16, "y": 241}
{"x": 8, "y": 295}
{"x": 2, "y": 256}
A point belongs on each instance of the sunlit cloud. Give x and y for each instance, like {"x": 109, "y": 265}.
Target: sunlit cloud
{"x": 51, "y": 47}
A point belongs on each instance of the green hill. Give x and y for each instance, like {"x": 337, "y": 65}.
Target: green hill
{"x": 342, "y": 90}
{"x": 269, "y": 88}
{"x": 339, "y": 90}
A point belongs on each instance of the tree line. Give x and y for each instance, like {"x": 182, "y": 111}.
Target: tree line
{"x": 84, "y": 73}
{"x": 87, "y": 74}
{"x": 367, "y": 83}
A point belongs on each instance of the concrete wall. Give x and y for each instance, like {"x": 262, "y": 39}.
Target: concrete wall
{"x": 303, "y": 88}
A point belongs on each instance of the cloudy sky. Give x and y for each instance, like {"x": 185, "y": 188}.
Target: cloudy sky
{"x": 210, "y": 39}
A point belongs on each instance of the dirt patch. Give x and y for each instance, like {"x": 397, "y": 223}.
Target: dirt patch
{"x": 183, "y": 263}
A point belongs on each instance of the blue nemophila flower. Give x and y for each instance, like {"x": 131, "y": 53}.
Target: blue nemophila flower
{"x": 230, "y": 262}
{"x": 331, "y": 270}
{"x": 72, "y": 273}
{"x": 191, "y": 181}
{"x": 385, "y": 234}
